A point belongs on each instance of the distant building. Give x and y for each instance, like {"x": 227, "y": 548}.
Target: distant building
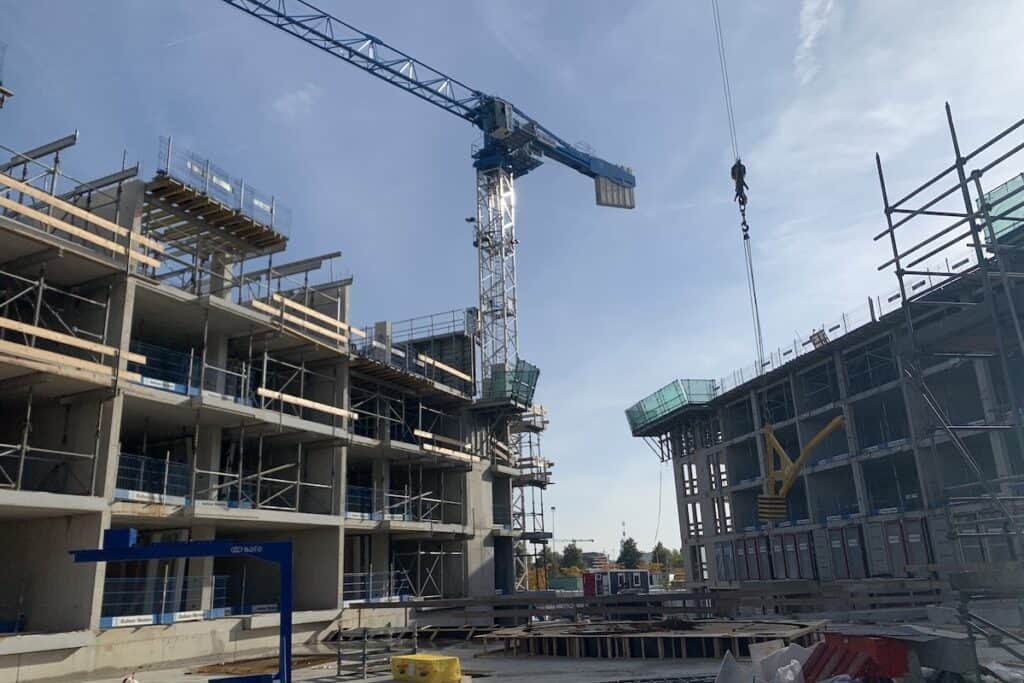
{"x": 595, "y": 560}
{"x": 616, "y": 581}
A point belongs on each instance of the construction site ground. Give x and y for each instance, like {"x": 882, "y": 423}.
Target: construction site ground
{"x": 311, "y": 666}
{"x": 490, "y": 667}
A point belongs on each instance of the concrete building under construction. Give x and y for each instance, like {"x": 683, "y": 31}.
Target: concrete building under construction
{"x": 907, "y": 411}
{"x": 166, "y": 368}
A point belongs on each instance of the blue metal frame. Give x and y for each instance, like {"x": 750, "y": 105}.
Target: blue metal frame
{"x": 119, "y": 546}
{"x": 512, "y": 140}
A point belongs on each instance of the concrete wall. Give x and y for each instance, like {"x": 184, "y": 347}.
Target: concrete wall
{"x": 39, "y": 578}
{"x": 883, "y": 464}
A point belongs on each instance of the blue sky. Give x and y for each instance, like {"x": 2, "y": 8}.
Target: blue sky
{"x": 613, "y": 304}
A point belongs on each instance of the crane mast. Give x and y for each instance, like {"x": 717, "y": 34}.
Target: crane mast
{"x": 496, "y": 250}
{"x": 514, "y": 144}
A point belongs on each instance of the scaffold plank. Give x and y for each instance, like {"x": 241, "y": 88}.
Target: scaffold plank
{"x": 446, "y": 451}
{"x": 77, "y": 232}
{"x": 68, "y": 339}
{"x": 318, "y": 315}
{"x": 427, "y": 360}
{"x": 306, "y": 403}
{"x": 295, "y": 320}
{"x": 49, "y": 359}
{"x": 99, "y": 221}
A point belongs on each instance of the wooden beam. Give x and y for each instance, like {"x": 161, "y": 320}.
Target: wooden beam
{"x": 318, "y": 315}
{"x": 68, "y": 339}
{"x": 446, "y": 451}
{"x": 59, "y": 203}
{"x": 427, "y": 360}
{"x": 437, "y": 437}
{"x": 77, "y": 232}
{"x": 306, "y": 403}
{"x": 295, "y": 320}
{"x": 59, "y": 359}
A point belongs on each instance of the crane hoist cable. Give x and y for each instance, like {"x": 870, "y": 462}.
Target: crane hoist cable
{"x": 738, "y": 173}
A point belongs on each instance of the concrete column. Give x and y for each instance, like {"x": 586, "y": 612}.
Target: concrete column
{"x": 850, "y": 427}
{"x": 755, "y": 411}
{"x": 318, "y": 568}
{"x": 860, "y": 487}
{"x": 928, "y": 477}
{"x": 221, "y": 279}
{"x": 203, "y": 566}
{"x": 122, "y": 306}
{"x": 217, "y": 356}
{"x": 208, "y": 458}
{"x": 478, "y": 506}
{"x": 675, "y": 445}
{"x": 110, "y": 447}
{"x": 1000, "y": 452}
{"x": 382, "y": 335}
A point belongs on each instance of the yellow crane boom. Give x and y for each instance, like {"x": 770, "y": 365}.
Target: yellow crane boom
{"x": 781, "y": 472}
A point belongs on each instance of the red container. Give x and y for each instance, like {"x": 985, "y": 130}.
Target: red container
{"x": 889, "y": 655}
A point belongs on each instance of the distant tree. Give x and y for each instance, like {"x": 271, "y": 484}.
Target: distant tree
{"x": 629, "y": 554}
{"x": 675, "y": 558}
{"x": 660, "y": 555}
{"x": 572, "y": 557}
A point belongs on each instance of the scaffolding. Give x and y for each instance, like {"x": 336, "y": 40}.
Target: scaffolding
{"x": 56, "y": 209}
{"x": 528, "y": 486}
{"x": 388, "y": 414}
{"x": 437, "y": 348}
{"x": 247, "y": 470}
{"x": 430, "y": 566}
{"x": 50, "y": 329}
{"x": 420, "y": 495}
{"x": 974, "y": 238}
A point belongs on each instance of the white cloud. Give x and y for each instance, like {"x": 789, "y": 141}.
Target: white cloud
{"x": 292, "y": 105}
{"x": 814, "y": 19}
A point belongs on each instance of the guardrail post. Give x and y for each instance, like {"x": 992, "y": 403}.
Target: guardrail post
{"x": 167, "y": 470}
{"x": 366, "y": 638}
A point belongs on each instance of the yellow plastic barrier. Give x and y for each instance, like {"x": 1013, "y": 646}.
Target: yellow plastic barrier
{"x": 424, "y": 668}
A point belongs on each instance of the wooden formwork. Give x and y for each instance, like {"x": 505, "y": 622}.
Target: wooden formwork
{"x": 795, "y": 597}
{"x": 668, "y": 639}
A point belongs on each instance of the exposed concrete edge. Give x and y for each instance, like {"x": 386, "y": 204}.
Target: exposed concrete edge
{"x": 45, "y": 642}
{"x": 61, "y": 503}
{"x": 258, "y": 621}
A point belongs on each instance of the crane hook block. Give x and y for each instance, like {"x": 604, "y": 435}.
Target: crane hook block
{"x": 739, "y": 177}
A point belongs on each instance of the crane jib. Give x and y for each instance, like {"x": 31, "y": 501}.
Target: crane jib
{"x": 336, "y": 37}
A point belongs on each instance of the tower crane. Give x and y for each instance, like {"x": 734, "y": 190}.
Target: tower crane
{"x": 513, "y": 145}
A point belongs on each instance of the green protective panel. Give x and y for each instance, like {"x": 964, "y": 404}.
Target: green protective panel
{"x": 1001, "y": 200}
{"x": 518, "y": 384}
{"x": 674, "y": 395}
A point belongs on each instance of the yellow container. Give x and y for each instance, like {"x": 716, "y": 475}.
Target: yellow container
{"x": 424, "y": 668}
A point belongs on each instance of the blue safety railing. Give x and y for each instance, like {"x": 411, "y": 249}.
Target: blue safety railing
{"x": 166, "y": 368}
{"x": 375, "y": 586}
{"x": 151, "y": 475}
{"x": 158, "y": 599}
{"x": 202, "y": 175}
{"x": 360, "y": 502}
